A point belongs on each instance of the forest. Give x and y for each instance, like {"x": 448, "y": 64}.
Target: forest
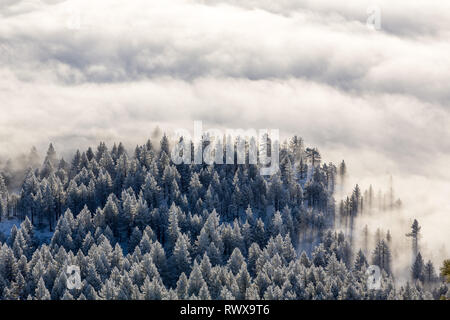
{"x": 141, "y": 227}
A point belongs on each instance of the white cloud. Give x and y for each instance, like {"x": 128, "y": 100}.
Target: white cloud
{"x": 378, "y": 99}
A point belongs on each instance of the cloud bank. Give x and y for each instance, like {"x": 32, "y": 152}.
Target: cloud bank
{"x": 77, "y": 72}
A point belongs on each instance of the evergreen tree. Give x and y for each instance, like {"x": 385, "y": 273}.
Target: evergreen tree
{"x": 41, "y": 292}
{"x": 429, "y": 272}
{"x": 381, "y": 256}
{"x": 181, "y": 258}
{"x": 360, "y": 261}
{"x": 418, "y": 268}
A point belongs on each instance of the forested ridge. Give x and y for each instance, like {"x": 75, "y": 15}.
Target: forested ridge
{"x": 140, "y": 227}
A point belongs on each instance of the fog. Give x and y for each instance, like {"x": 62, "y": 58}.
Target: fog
{"x": 78, "y": 72}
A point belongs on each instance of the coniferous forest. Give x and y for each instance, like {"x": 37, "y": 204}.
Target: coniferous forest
{"x": 139, "y": 226}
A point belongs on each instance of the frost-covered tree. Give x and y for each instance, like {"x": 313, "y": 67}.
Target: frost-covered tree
{"x": 381, "y": 256}
{"x": 418, "y": 268}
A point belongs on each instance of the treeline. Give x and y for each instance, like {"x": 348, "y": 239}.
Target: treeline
{"x": 140, "y": 227}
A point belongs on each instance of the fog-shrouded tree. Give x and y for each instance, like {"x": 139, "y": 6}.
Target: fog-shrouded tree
{"x": 381, "y": 256}
{"x": 415, "y": 235}
{"x": 418, "y": 269}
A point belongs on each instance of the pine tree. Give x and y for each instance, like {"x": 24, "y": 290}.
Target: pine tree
{"x": 236, "y": 260}
{"x": 366, "y": 238}
{"x": 243, "y": 280}
{"x": 182, "y": 287}
{"x": 342, "y": 171}
{"x": 59, "y": 287}
{"x": 204, "y": 293}
{"x": 181, "y": 258}
{"x": 173, "y": 229}
{"x": 41, "y": 292}
{"x": 111, "y": 212}
{"x": 360, "y": 261}
{"x": 127, "y": 290}
{"x": 418, "y": 268}
{"x": 135, "y": 239}
{"x": 382, "y": 256}
{"x": 142, "y": 218}
{"x": 196, "y": 281}
{"x": 429, "y": 272}
{"x": 415, "y": 235}
{"x": 153, "y": 290}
